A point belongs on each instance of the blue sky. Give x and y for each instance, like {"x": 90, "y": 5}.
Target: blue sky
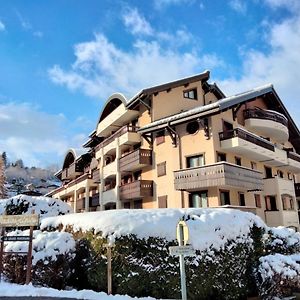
{"x": 61, "y": 59}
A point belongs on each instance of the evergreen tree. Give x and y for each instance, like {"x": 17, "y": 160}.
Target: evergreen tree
{"x": 19, "y": 163}
{"x": 4, "y": 159}
{"x": 2, "y": 179}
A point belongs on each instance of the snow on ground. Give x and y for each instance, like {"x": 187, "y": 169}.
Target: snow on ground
{"x": 287, "y": 266}
{"x": 46, "y": 245}
{"x": 44, "y": 206}
{"x": 9, "y": 290}
{"x": 208, "y": 227}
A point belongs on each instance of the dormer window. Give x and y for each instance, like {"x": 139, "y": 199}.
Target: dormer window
{"x": 190, "y": 94}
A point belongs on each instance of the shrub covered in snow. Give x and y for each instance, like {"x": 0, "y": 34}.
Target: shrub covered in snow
{"x": 282, "y": 240}
{"x": 44, "y": 206}
{"x": 51, "y": 255}
{"x": 224, "y": 241}
{"x": 278, "y": 275}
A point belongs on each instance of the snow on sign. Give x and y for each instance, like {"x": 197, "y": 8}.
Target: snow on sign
{"x": 182, "y": 250}
{"x": 19, "y": 220}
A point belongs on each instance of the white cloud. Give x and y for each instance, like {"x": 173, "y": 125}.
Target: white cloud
{"x": 35, "y": 136}
{"x": 101, "y": 68}
{"x": 2, "y": 26}
{"x": 292, "y": 5}
{"x": 279, "y": 66}
{"x": 162, "y": 3}
{"x": 136, "y": 23}
{"x": 238, "y": 5}
{"x": 38, "y": 34}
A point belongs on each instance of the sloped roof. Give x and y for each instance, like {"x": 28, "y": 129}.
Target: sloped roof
{"x": 224, "y": 104}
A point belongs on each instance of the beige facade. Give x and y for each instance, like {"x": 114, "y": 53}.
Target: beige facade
{"x": 184, "y": 144}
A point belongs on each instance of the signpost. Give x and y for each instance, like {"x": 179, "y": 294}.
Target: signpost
{"x": 109, "y": 269}
{"x": 18, "y": 221}
{"x": 182, "y": 250}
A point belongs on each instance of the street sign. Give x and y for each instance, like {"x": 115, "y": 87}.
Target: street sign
{"x": 19, "y": 220}
{"x": 182, "y": 231}
{"x": 182, "y": 250}
{"x": 19, "y": 238}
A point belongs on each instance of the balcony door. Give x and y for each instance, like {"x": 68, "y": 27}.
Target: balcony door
{"x": 198, "y": 199}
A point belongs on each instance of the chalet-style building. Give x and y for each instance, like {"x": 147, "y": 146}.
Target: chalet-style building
{"x": 185, "y": 144}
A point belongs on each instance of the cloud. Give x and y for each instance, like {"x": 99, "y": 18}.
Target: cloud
{"x": 37, "y": 137}
{"x": 239, "y": 6}
{"x": 24, "y": 23}
{"x": 136, "y": 23}
{"x": 163, "y": 3}
{"x": 38, "y": 34}
{"x": 280, "y": 65}
{"x": 2, "y": 26}
{"x": 101, "y": 68}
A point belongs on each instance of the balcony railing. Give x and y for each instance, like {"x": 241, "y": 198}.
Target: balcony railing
{"x": 294, "y": 156}
{"x": 80, "y": 204}
{"x": 265, "y": 115}
{"x": 136, "y": 190}
{"x": 118, "y": 133}
{"x": 64, "y": 174}
{"x": 96, "y": 175}
{"x": 247, "y": 136}
{"x": 135, "y": 159}
{"x": 79, "y": 179}
{"x": 219, "y": 174}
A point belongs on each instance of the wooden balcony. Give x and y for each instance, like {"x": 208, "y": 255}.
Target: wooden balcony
{"x": 267, "y": 123}
{"x": 80, "y": 204}
{"x": 96, "y": 175}
{"x": 136, "y": 190}
{"x": 221, "y": 174}
{"x": 64, "y": 174}
{"x": 135, "y": 160}
{"x": 245, "y": 143}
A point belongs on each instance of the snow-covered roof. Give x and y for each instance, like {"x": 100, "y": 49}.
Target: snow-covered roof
{"x": 209, "y": 108}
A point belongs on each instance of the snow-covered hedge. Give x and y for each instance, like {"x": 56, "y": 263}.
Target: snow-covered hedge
{"x": 282, "y": 240}
{"x": 279, "y": 275}
{"x": 224, "y": 240}
{"x": 51, "y": 255}
{"x": 44, "y": 206}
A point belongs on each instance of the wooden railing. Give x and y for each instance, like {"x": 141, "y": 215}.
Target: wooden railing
{"x": 247, "y": 136}
{"x": 96, "y": 175}
{"x": 79, "y": 179}
{"x": 265, "y": 115}
{"x": 118, "y": 133}
{"x": 294, "y": 156}
{"x": 136, "y": 190}
{"x": 219, "y": 174}
{"x": 135, "y": 158}
{"x": 64, "y": 174}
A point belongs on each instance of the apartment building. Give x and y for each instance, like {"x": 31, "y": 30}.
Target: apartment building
{"x": 185, "y": 144}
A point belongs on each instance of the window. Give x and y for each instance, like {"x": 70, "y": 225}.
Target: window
{"x": 221, "y": 156}
{"x": 163, "y": 201}
{"x": 195, "y": 161}
{"x": 257, "y": 200}
{"x": 160, "y": 137}
{"x": 279, "y": 173}
{"x": 238, "y": 161}
{"x": 225, "y": 197}
{"x": 190, "y": 94}
{"x": 161, "y": 169}
{"x": 198, "y": 199}
{"x": 242, "y": 199}
{"x": 271, "y": 203}
{"x": 253, "y": 165}
{"x": 138, "y": 204}
{"x": 287, "y": 202}
{"x": 268, "y": 172}
{"x": 192, "y": 127}
{"x": 126, "y": 205}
